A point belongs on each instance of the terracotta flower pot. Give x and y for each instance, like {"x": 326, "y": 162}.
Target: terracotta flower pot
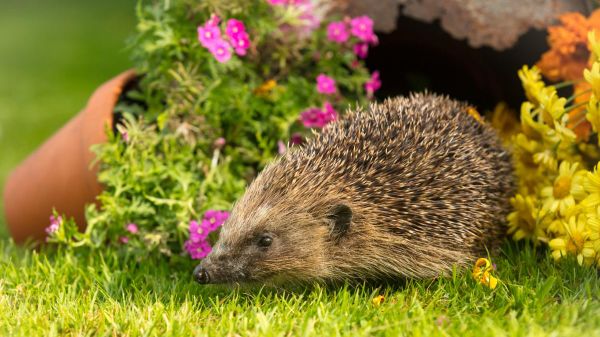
{"x": 59, "y": 173}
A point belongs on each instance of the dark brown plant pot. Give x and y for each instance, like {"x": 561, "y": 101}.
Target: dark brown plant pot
{"x": 59, "y": 174}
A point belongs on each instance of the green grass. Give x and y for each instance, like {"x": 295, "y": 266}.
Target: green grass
{"x": 54, "y": 53}
{"x": 60, "y": 294}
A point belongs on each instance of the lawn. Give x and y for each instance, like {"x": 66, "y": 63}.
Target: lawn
{"x": 53, "y": 55}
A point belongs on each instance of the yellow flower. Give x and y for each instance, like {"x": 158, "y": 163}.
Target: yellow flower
{"x": 531, "y": 128}
{"x": 559, "y": 197}
{"x": 547, "y": 159}
{"x": 593, "y": 113}
{"x": 482, "y": 273}
{"x": 590, "y": 151}
{"x": 575, "y": 241}
{"x": 592, "y": 182}
{"x": 527, "y": 221}
{"x": 593, "y": 77}
{"x": 531, "y": 79}
{"x": 377, "y": 300}
{"x": 552, "y": 107}
{"x": 503, "y": 120}
{"x": 593, "y": 44}
{"x": 593, "y": 226}
{"x": 265, "y": 88}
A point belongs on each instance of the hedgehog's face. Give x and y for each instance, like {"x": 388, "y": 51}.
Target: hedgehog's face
{"x": 269, "y": 243}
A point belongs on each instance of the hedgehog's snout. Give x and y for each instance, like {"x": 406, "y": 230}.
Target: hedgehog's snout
{"x": 218, "y": 267}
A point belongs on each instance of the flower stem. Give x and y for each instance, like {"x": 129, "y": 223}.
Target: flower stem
{"x": 572, "y": 97}
{"x": 565, "y": 84}
{"x": 574, "y": 106}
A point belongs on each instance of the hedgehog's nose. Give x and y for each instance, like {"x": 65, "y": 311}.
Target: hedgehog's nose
{"x": 201, "y": 275}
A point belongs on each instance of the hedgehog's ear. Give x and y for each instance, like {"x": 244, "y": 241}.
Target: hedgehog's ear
{"x": 340, "y": 216}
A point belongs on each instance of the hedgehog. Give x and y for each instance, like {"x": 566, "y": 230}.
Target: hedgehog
{"x": 408, "y": 188}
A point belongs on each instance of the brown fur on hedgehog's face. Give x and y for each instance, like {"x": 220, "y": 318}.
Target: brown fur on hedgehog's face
{"x": 275, "y": 243}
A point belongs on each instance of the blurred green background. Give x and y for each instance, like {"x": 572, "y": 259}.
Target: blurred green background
{"x": 53, "y": 54}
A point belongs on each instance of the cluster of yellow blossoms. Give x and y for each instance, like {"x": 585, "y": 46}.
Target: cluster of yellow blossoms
{"x": 556, "y": 156}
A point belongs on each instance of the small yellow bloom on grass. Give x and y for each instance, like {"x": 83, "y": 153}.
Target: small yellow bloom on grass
{"x": 482, "y": 273}
{"x": 377, "y": 300}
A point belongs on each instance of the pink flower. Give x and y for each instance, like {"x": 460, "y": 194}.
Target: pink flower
{"x": 208, "y": 35}
{"x": 373, "y": 84}
{"x": 318, "y": 118}
{"x": 53, "y": 228}
{"x": 123, "y": 239}
{"x": 312, "y": 118}
{"x": 197, "y": 250}
{"x": 221, "y": 50}
{"x": 337, "y": 32}
{"x": 234, "y": 28}
{"x": 219, "y": 143}
{"x": 197, "y": 245}
{"x": 214, "y": 20}
{"x": 236, "y": 32}
{"x": 297, "y": 139}
{"x": 132, "y": 228}
{"x": 311, "y": 20}
{"x": 278, "y": 2}
{"x": 125, "y": 136}
{"x": 329, "y": 113}
{"x": 361, "y": 49}
{"x": 54, "y": 224}
{"x": 281, "y": 148}
{"x": 326, "y": 84}
{"x": 213, "y": 219}
{"x": 197, "y": 232}
{"x": 362, "y": 28}
{"x": 241, "y": 44}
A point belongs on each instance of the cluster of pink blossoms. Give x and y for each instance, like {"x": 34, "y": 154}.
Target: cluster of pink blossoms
{"x": 360, "y": 27}
{"x": 197, "y": 245}
{"x": 131, "y": 228}
{"x": 318, "y": 118}
{"x": 55, "y": 222}
{"x": 236, "y": 37}
{"x": 373, "y": 84}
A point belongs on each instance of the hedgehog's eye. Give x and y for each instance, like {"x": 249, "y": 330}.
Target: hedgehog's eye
{"x": 265, "y": 240}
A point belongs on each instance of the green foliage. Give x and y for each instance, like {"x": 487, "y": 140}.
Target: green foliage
{"x": 165, "y": 162}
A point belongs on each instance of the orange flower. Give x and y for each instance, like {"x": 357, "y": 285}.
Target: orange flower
{"x": 569, "y": 53}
